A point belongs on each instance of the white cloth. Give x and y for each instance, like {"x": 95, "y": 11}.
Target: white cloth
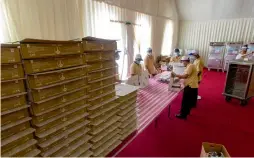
{"x": 239, "y": 56}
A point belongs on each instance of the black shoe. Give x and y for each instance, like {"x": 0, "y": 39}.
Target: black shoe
{"x": 187, "y": 114}
{"x": 180, "y": 116}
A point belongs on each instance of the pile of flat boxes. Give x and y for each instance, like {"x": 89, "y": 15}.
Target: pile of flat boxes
{"x": 72, "y": 109}
{"x": 17, "y": 138}
{"x": 127, "y": 110}
{"x": 100, "y": 56}
{"x": 57, "y": 88}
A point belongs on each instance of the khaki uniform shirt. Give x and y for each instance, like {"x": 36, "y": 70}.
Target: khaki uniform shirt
{"x": 136, "y": 69}
{"x": 149, "y": 64}
{"x": 192, "y": 79}
{"x": 199, "y": 66}
{"x": 175, "y": 59}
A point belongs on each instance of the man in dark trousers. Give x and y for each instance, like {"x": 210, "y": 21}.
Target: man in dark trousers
{"x": 190, "y": 91}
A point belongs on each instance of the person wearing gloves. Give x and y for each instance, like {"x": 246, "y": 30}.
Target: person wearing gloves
{"x": 136, "y": 67}
{"x": 177, "y": 56}
{"x": 190, "y": 91}
{"x": 243, "y": 53}
{"x": 198, "y": 62}
{"x": 149, "y": 62}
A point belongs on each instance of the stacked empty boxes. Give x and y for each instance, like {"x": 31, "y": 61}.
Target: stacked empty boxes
{"x": 17, "y": 137}
{"x": 100, "y": 56}
{"x": 57, "y": 88}
{"x": 127, "y": 98}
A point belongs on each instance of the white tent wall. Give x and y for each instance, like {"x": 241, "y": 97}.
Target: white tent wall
{"x": 155, "y": 30}
{"x": 204, "y": 21}
{"x": 45, "y": 19}
{"x": 65, "y": 19}
{"x": 162, "y": 8}
{"x": 198, "y": 34}
{"x": 200, "y": 10}
{"x": 156, "y": 11}
{"x": 72, "y": 19}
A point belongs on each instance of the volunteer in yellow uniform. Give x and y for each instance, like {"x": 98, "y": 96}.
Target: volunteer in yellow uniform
{"x": 190, "y": 91}
{"x": 198, "y": 62}
{"x": 149, "y": 62}
{"x": 177, "y": 57}
{"x": 136, "y": 67}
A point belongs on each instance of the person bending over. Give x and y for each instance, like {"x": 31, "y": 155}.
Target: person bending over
{"x": 190, "y": 90}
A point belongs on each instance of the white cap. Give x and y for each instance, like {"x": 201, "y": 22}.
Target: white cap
{"x": 194, "y": 52}
{"x": 185, "y": 58}
{"x": 138, "y": 56}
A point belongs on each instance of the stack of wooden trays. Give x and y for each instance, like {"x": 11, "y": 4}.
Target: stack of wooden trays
{"x": 100, "y": 57}
{"x": 16, "y": 132}
{"x": 59, "y": 99}
{"x": 57, "y": 88}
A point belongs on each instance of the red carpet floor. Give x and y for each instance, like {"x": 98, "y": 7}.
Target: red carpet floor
{"x": 213, "y": 120}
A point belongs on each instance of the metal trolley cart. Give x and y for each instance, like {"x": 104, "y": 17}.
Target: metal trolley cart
{"x": 240, "y": 81}
{"x": 215, "y": 57}
{"x": 233, "y": 49}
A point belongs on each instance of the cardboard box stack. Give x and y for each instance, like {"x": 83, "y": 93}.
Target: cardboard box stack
{"x": 100, "y": 56}
{"x": 57, "y": 88}
{"x": 16, "y": 132}
{"x": 127, "y": 110}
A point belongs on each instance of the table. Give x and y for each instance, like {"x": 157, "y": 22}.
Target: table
{"x": 151, "y": 101}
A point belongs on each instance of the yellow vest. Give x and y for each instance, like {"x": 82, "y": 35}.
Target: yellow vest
{"x": 199, "y": 66}
{"x": 175, "y": 59}
{"x": 136, "y": 69}
{"x": 192, "y": 79}
{"x": 149, "y": 64}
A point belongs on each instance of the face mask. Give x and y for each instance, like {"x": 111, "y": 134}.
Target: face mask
{"x": 193, "y": 57}
{"x": 177, "y": 54}
{"x": 138, "y": 61}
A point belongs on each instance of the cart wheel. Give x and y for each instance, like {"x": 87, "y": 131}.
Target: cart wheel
{"x": 228, "y": 99}
{"x": 243, "y": 102}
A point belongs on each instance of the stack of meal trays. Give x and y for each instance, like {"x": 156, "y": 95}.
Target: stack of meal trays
{"x": 100, "y": 57}
{"x": 57, "y": 90}
{"x": 127, "y": 110}
{"x": 17, "y": 137}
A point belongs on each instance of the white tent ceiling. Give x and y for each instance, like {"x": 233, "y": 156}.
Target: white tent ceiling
{"x": 214, "y": 9}
{"x": 162, "y": 8}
